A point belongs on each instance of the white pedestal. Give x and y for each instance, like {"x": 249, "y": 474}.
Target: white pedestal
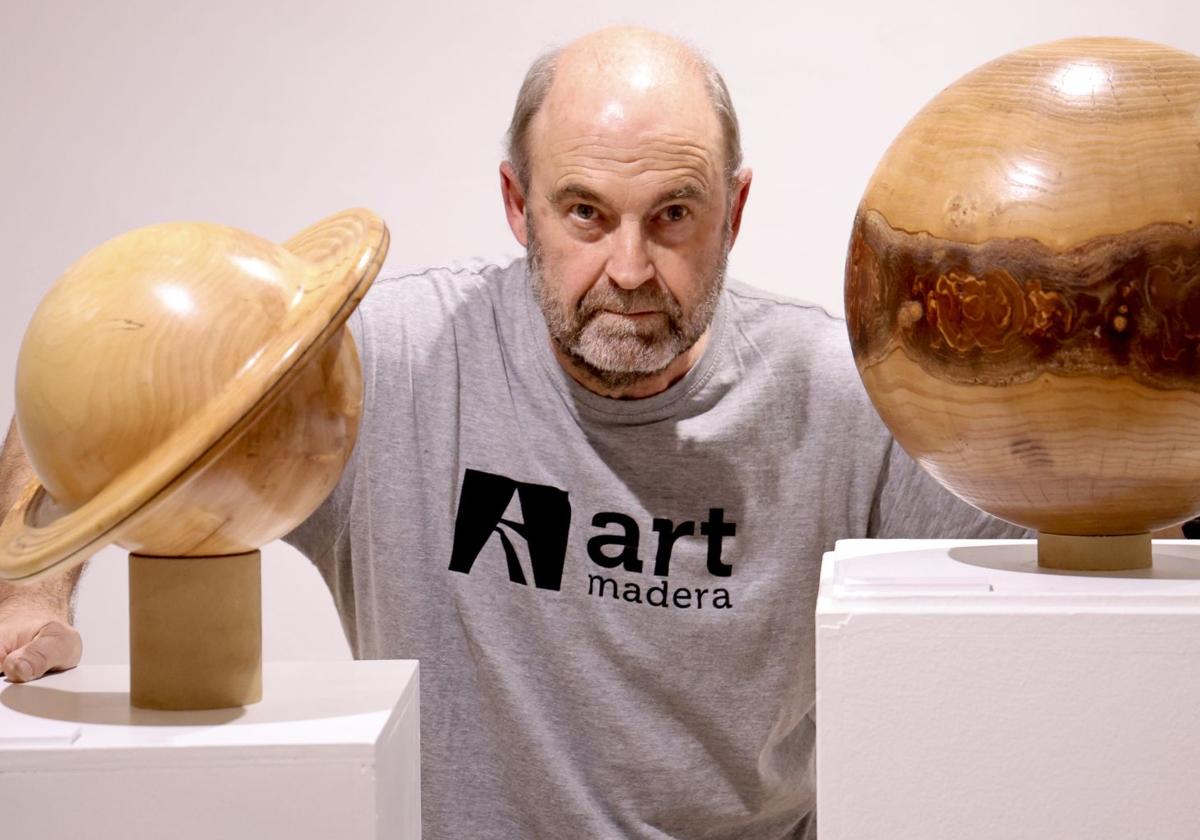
{"x": 333, "y": 750}
{"x": 962, "y": 692}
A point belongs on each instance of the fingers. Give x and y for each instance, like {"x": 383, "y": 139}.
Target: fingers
{"x": 55, "y": 647}
{"x": 17, "y": 670}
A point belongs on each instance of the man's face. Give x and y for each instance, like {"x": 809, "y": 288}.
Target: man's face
{"x": 628, "y": 227}
{"x": 618, "y": 335}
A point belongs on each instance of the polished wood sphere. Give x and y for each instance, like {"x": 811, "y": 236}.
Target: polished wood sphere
{"x": 1023, "y": 287}
{"x": 184, "y": 333}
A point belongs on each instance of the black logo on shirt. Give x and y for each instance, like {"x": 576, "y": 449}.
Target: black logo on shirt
{"x": 547, "y": 514}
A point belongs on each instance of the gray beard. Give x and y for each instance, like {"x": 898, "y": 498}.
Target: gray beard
{"x": 617, "y": 352}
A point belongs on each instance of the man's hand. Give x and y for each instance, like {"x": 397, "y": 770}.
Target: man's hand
{"x": 34, "y": 643}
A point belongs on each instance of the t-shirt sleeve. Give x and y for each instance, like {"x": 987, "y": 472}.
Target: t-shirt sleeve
{"x": 910, "y": 504}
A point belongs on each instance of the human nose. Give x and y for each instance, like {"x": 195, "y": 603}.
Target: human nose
{"x": 629, "y": 264}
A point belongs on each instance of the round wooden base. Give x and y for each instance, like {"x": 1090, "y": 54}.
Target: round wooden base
{"x": 1094, "y": 554}
{"x": 195, "y": 631}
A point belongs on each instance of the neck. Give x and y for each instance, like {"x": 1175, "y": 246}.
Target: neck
{"x": 648, "y": 386}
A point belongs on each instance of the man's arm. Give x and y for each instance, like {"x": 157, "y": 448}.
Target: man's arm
{"x": 36, "y": 635}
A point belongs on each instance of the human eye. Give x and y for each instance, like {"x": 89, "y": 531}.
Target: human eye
{"x": 675, "y": 213}
{"x": 583, "y": 212}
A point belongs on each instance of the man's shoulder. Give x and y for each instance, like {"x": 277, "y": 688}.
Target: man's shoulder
{"x": 789, "y": 327}
{"x": 774, "y": 306}
{"x": 425, "y": 302}
{"x": 803, "y": 352}
{"x": 443, "y": 286}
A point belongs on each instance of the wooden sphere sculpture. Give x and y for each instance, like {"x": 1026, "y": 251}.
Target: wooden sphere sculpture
{"x": 1023, "y": 293}
{"x": 189, "y": 392}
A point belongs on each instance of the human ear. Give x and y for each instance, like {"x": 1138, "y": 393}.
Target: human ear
{"x": 514, "y": 203}
{"x": 741, "y": 187}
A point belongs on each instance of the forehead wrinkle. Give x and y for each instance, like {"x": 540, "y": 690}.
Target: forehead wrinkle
{"x": 636, "y": 160}
{"x": 629, "y": 170}
{"x": 673, "y": 184}
{"x": 585, "y": 160}
{"x": 585, "y": 176}
{"x": 571, "y": 184}
{"x": 616, "y": 166}
{"x": 666, "y": 145}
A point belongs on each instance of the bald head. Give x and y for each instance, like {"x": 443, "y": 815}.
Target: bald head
{"x": 619, "y": 76}
{"x": 626, "y": 62}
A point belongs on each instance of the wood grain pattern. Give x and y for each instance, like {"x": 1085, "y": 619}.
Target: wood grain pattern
{"x": 1006, "y": 310}
{"x": 1023, "y": 287}
{"x": 1061, "y": 142}
{"x": 189, "y": 390}
{"x": 1072, "y": 455}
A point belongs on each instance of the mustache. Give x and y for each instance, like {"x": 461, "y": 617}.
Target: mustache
{"x": 645, "y": 298}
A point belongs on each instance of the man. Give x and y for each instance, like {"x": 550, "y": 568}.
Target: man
{"x": 591, "y": 489}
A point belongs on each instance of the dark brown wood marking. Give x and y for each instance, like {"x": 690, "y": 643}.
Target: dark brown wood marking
{"x": 1007, "y": 310}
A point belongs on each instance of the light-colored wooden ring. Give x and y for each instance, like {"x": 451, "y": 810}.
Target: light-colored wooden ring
{"x": 346, "y": 252}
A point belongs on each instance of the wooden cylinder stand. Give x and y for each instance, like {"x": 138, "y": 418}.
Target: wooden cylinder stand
{"x": 195, "y": 631}
{"x": 1120, "y": 553}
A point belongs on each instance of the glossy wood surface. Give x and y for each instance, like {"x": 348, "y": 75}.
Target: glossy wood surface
{"x": 1061, "y": 143}
{"x": 1023, "y": 287}
{"x": 189, "y": 390}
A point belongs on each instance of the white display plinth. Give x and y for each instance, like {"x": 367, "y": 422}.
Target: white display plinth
{"x": 333, "y": 750}
{"x": 962, "y": 692}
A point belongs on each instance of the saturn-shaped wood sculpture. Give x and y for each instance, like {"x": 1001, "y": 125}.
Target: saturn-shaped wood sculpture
{"x": 190, "y": 392}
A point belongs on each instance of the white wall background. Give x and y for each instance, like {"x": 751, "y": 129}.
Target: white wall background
{"x": 269, "y": 115}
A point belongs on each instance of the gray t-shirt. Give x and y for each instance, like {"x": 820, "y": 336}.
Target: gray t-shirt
{"x": 612, "y": 601}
